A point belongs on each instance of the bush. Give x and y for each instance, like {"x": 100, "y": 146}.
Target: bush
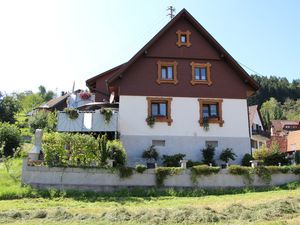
{"x": 227, "y": 154}
{"x": 140, "y": 168}
{"x": 295, "y": 169}
{"x": 272, "y": 156}
{"x": 261, "y": 153}
{"x": 125, "y": 172}
{"x": 244, "y": 171}
{"x": 38, "y": 121}
{"x": 278, "y": 169}
{"x": 246, "y": 160}
{"x": 191, "y": 163}
{"x": 263, "y": 173}
{"x": 208, "y": 155}
{"x": 202, "y": 170}
{"x": 172, "y": 160}
{"x": 10, "y": 138}
{"x": 162, "y": 172}
{"x": 51, "y": 121}
{"x": 150, "y": 153}
{"x": 117, "y": 152}
{"x": 72, "y": 113}
{"x": 103, "y": 150}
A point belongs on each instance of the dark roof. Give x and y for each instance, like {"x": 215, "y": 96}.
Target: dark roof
{"x": 278, "y": 125}
{"x": 53, "y": 102}
{"x": 184, "y": 13}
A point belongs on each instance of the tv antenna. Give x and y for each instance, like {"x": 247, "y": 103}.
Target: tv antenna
{"x": 171, "y": 11}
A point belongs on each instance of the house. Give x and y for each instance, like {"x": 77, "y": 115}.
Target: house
{"x": 258, "y": 134}
{"x": 281, "y": 131}
{"x": 58, "y": 103}
{"x": 185, "y": 82}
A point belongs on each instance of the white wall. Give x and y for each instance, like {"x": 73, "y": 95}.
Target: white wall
{"x": 185, "y": 115}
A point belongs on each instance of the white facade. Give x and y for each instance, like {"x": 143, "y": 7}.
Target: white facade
{"x": 184, "y": 135}
{"x": 256, "y": 138}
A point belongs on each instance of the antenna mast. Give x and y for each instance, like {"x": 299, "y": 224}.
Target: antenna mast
{"x": 171, "y": 13}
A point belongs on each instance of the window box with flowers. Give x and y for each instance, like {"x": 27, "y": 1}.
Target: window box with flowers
{"x": 85, "y": 95}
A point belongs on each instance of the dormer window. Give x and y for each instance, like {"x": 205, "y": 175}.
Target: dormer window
{"x": 201, "y": 73}
{"x": 183, "y": 38}
{"x": 167, "y": 72}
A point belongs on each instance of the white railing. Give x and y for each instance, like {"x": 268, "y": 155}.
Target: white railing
{"x": 87, "y": 121}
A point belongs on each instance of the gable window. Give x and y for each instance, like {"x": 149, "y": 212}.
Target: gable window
{"x": 167, "y": 72}
{"x": 201, "y": 73}
{"x": 211, "y": 110}
{"x": 183, "y": 38}
{"x": 160, "y": 109}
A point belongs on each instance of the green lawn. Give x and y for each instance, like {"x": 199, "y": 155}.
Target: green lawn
{"x": 24, "y": 205}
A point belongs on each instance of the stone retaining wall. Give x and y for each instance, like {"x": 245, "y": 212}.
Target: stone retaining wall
{"x": 107, "y": 180}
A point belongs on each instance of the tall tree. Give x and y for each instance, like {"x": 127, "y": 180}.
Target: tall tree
{"x": 271, "y": 110}
{"x": 9, "y": 106}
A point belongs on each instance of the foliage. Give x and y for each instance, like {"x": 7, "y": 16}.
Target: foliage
{"x": 202, "y": 170}
{"x": 38, "y": 121}
{"x": 278, "y": 169}
{"x": 263, "y": 173}
{"x": 191, "y": 163}
{"x": 246, "y": 172}
{"x": 162, "y": 172}
{"x": 103, "y": 150}
{"x": 140, "y": 168}
{"x": 295, "y": 169}
{"x": 125, "y": 172}
{"x": 9, "y": 106}
{"x": 205, "y": 124}
{"x": 107, "y": 112}
{"x": 261, "y": 153}
{"x": 246, "y": 160}
{"x": 227, "y": 154}
{"x": 172, "y": 160}
{"x": 150, "y": 121}
{"x": 72, "y": 113}
{"x": 30, "y": 101}
{"x": 117, "y": 152}
{"x": 272, "y": 156}
{"x": 151, "y": 153}
{"x": 10, "y": 138}
{"x": 46, "y": 95}
{"x": 208, "y": 155}
{"x": 51, "y": 121}
{"x": 271, "y": 110}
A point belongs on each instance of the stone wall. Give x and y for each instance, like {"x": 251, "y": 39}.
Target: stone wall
{"x": 108, "y": 180}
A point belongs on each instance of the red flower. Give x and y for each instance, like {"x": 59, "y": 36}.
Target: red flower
{"x": 85, "y": 95}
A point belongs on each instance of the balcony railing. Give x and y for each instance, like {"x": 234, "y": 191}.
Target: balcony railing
{"x": 87, "y": 121}
{"x": 263, "y": 133}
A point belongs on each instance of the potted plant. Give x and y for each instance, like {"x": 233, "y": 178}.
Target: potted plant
{"x": 205, "y": 123}
{"x": 226, "y": 155}
{"x": 150, "y": 121}
{"x": 151, "y": 155}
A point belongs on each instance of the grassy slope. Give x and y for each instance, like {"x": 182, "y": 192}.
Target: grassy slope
{"x": 272, "y": 207}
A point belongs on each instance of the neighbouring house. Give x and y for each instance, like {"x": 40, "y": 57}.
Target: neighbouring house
{"x": 280, "y": 132}
{"x": 185, "y": 82}
{"x": 258, "y": 134}
{"x": 57, "y": 104}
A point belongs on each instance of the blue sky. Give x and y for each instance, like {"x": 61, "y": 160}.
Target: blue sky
{"x": 56, "y": 42}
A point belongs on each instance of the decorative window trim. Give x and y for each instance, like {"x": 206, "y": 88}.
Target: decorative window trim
{"x": 187, "y": 34}
{"x": 162, "y": 81}
{"x": 218, "y": 120}
{"x": 207, "y": 66}
{"x": 168, "y": 118}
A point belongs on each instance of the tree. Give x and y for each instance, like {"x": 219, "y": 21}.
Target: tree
{"x": 271, "y": 110}
{"x": 10, "y": 138}
{"x": 38, "y": 121}
{"x": 9, "y": 106}
{"x": 227, "y": 154}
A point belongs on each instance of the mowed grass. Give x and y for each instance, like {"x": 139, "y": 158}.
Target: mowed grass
{"x": 278, "y": 206}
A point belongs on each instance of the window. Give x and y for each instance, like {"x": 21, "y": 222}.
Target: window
{"x": 167, "y": 72}
{"x": 211, "y": 109}
{"x": 160, "y": 109}
{"x": 201, "y": 73}
{"x": 183, "y": 38}
{"x": 213, "y": 144}
{"x": 253, "y": 144}
{"x": 161, "y": 143}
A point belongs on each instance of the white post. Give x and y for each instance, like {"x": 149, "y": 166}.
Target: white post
{"x": 183, "y": 163}
{"x": 254, "y": 163}
{"x": 36, "y": 150}
{"x": 110, "y": 162}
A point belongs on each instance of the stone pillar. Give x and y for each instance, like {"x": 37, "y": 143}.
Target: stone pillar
{"x": 183, "y": 163}
{"x": 110, "y": 162}
{"x": 36, "y": 150}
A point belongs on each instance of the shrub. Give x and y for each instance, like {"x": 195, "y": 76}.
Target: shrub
{"x": 208, "y": 155}
{"x": 162, "y": 172}
{"x": 244, "y": 171}
{"x": 117, "y": 152}
{"x": 246, "y": 160}
{"x": 125, "y": 172}
{"x": 172, "y": 160}
{"x": 140, "y": 168}
{"x": 278, "y": 169}
{"x": 295, "y": 169}
{"x": 261, "y": 153}
{"x": 150, "y": 153}
{"x": 263, "y": 173}
{"x": 72, "y": 113}
{"x": 51, "y": 121}
{"x": 10, "y": 138}
{"x": 272, "y": 156}
{"x": 103, "y": 150}
{"x": 191, "y": 163}
{"x": 227, "y": 154}
{"x": 38, "y": 121}
{"x": 201, "y": 170}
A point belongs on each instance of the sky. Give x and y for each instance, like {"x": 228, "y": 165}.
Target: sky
{"x": 54, "y": 43}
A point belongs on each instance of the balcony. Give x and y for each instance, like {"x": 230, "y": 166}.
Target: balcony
{"x": 87, "y": 121}
{"x": 263, "y": 133}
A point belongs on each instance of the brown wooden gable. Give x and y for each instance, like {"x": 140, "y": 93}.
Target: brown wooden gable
{"x": 138, "y": 76}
